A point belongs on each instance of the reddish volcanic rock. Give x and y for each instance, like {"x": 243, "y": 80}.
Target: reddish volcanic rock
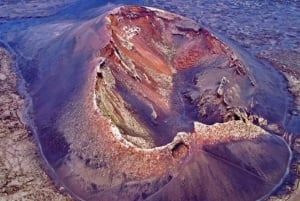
{"x": 121, "y": 119}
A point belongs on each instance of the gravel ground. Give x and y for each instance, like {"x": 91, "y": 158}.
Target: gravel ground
{"x": 16, "y": 9}
{"x": 21, "y": 173}
{"x": 288, "y": 63}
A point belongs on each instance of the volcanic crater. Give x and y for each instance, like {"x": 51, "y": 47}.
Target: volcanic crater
{"x": 156, "y": 107}
{"x": 160, "y": 73}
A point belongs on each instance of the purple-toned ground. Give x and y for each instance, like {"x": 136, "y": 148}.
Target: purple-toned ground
{"x": 22, "y": 177}
{"x": 22, "y": 174}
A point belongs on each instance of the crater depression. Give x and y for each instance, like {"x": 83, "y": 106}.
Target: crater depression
{"x": 143, "y": 104}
